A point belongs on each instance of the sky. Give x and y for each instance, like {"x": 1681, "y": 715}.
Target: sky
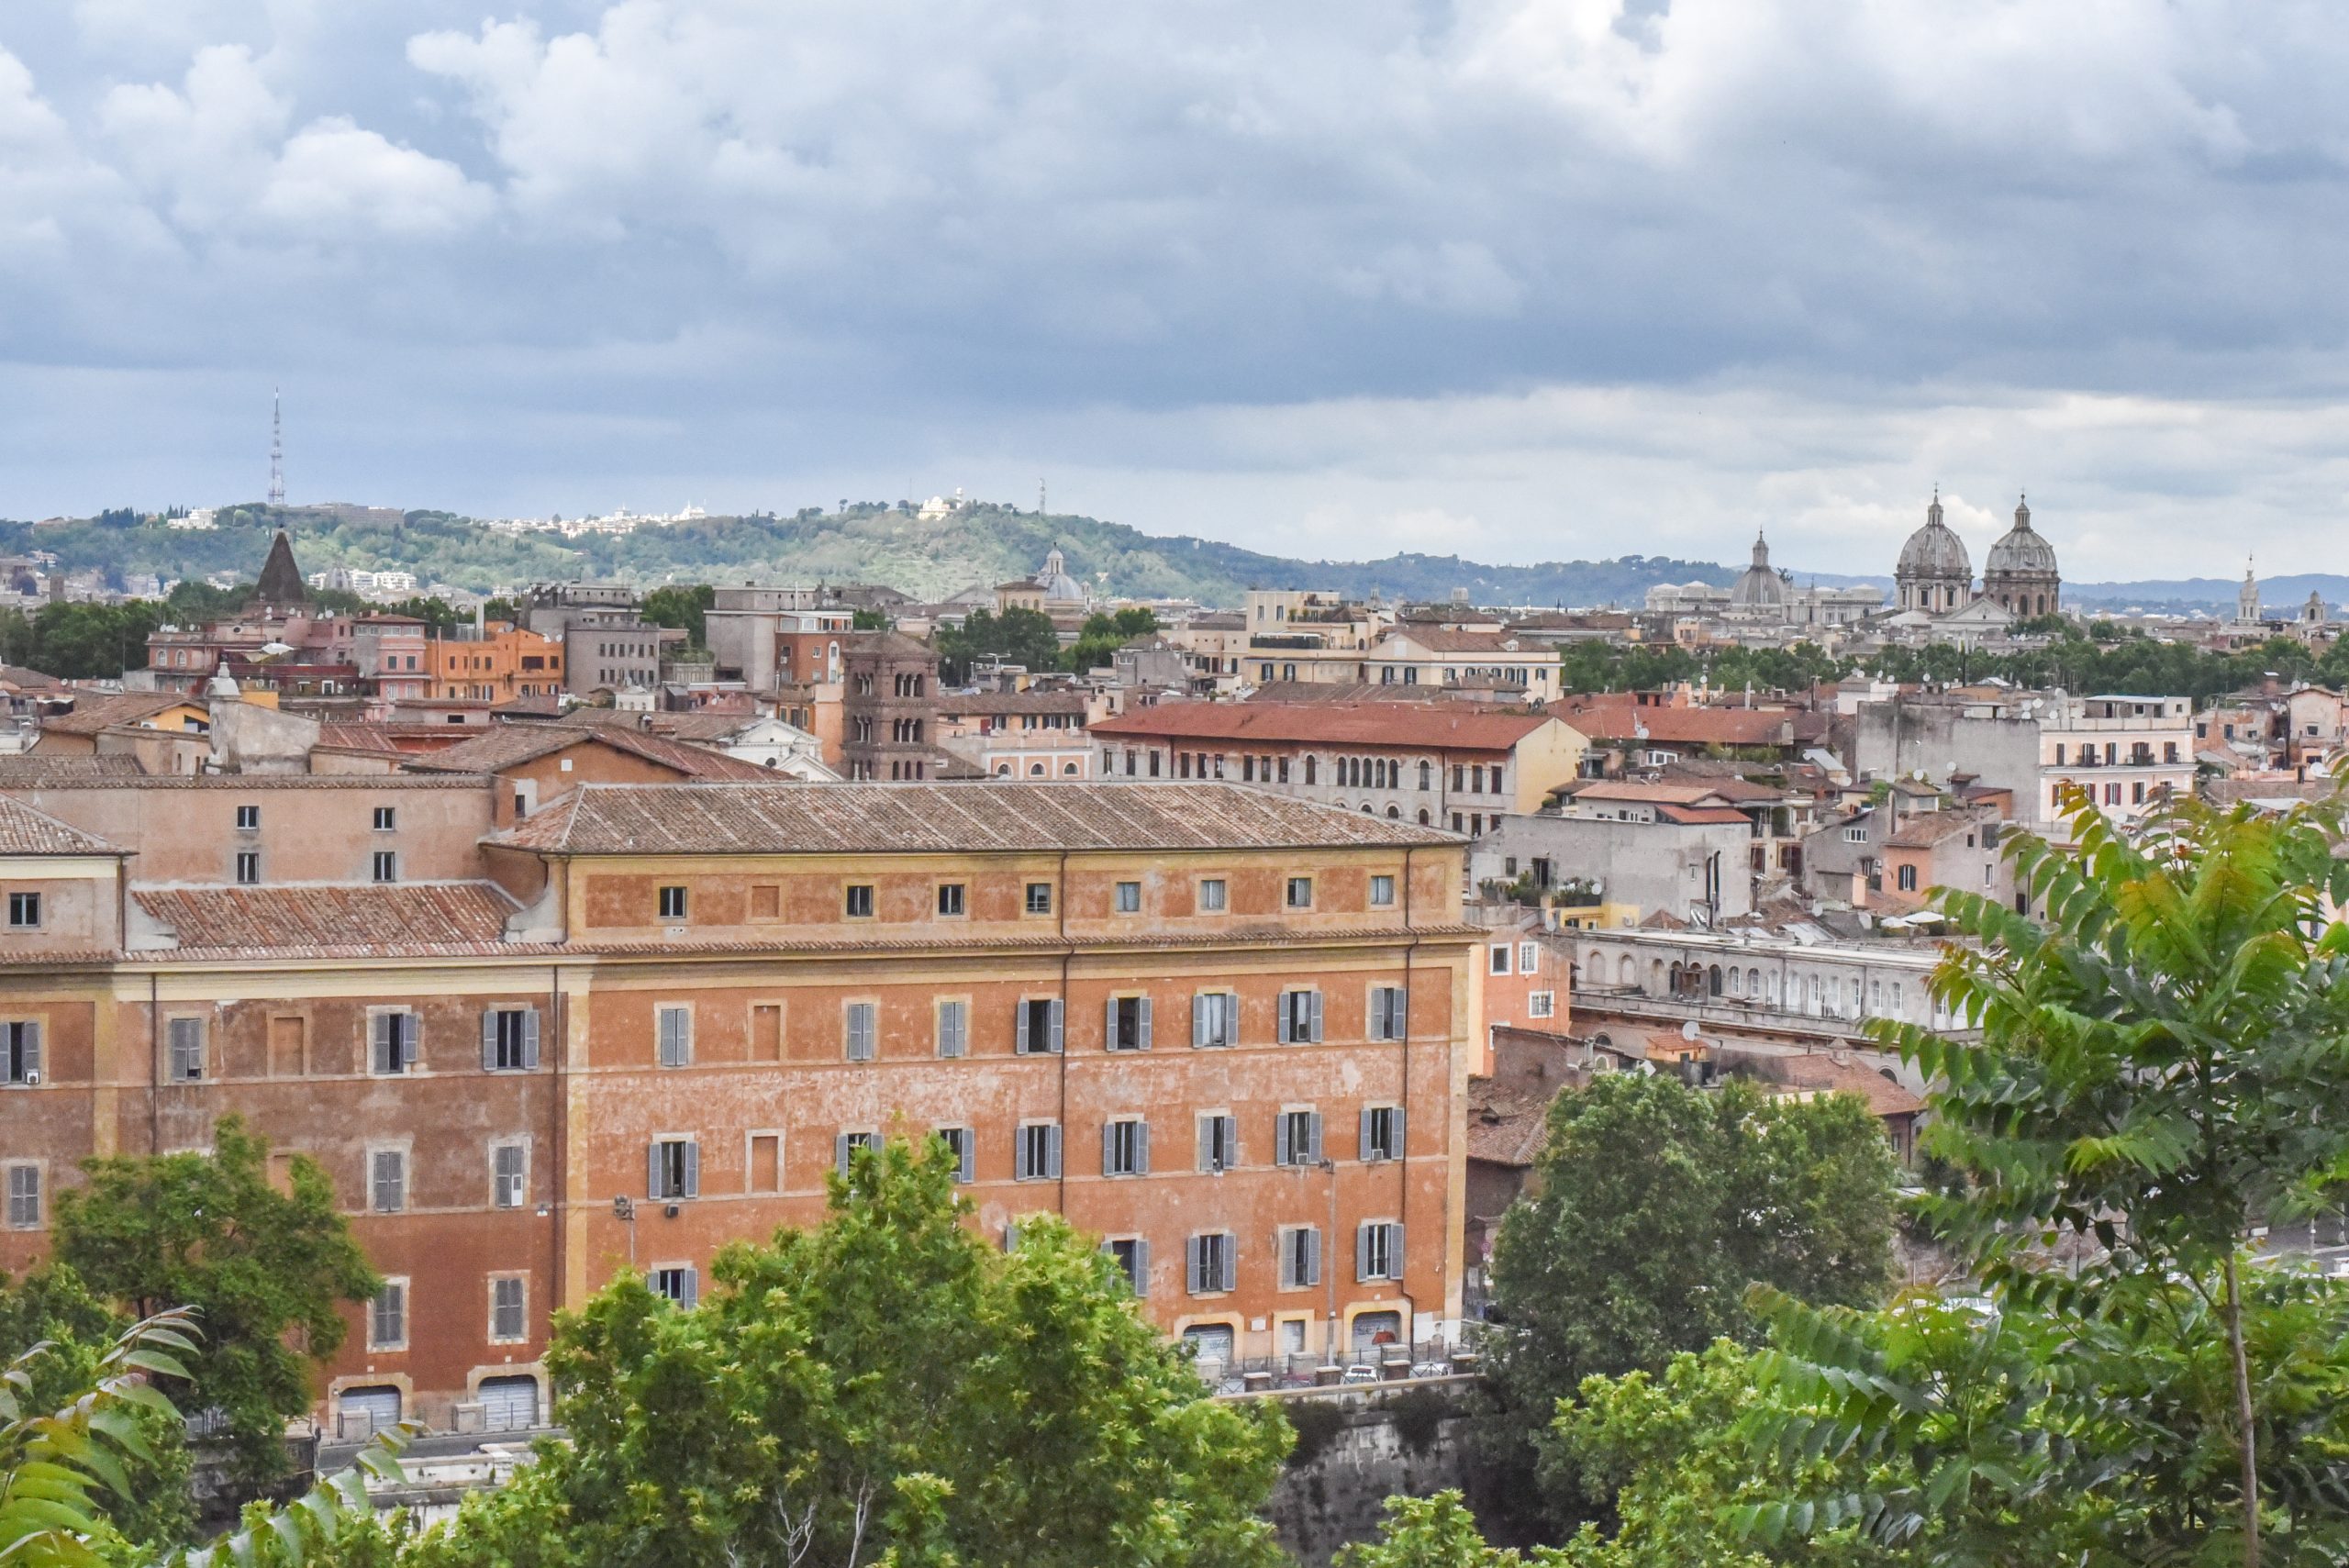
{"x": 1519, "y": 279}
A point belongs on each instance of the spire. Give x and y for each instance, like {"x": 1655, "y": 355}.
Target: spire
{"x": 281, "y": 579}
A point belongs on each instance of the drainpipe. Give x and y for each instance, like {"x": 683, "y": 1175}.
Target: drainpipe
{"x": 155, "y": 1069}
{"x": 1060, "y": 917}
{"x": 558, "y": 1116}
{"x": 1403, "y": 1155}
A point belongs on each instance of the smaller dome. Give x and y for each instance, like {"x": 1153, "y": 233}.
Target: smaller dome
{"x": 2022, "y": 550}
{"x": 1758, "y": 587}
{"x": 1935, "y": 550}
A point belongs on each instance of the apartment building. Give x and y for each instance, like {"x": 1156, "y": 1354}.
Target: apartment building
{"x": 771, "y": 638}
{"x": 1226, "y": 1031}
{"x": 1454, "y": 766}
{"x": 1022, "y": 735}
{"x": 2128, "y": 752}
{"x": 498, "y": 662}
{"x": 606, "y": 644}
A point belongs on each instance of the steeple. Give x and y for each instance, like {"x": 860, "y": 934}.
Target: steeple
{"x": 1761, "y": 550}
{"x": 2247, "y": 596}
{"x": 281, "y": 579}
{"x": 2022, "y": 514}
{"x": 1934, "y": 512}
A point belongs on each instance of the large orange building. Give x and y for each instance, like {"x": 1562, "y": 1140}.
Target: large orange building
{"x": 498, "y": 663}
{"x": 1225, "y": 1029}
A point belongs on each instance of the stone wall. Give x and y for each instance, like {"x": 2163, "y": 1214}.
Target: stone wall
{"x": 1383, "y": 1444}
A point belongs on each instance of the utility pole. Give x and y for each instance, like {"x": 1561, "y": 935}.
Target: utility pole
{"x": 276, "y": 450}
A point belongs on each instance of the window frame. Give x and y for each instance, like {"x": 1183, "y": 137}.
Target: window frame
{"x": 1035, "y": 1152}
{"x": 397, "y": 1154}
{"x": 957, "y": 894}
{"x": 1126, "y": 898}
{"x": 521, "y": 1284}
{"x": 395, "y": 1286}
{"x": 1382, "y": 882}
{"x": 663, "y": 1012}
{"x": 855, "y": 893}
{"x": 671, "y": 903}
{"x": 1037, "y": 901}
{"x": 12, "y": 1177}
{"x": 520, "y": 1148}
{"x": 1290, "y": 889}
{"x": 180, "y": 1054}
{"x": 1211, "y": 895}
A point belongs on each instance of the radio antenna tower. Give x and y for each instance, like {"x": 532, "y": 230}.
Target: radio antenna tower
{"x": 276, "y": 451}
{"x": 1040, "y": 497}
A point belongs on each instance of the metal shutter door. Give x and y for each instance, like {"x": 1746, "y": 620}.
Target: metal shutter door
{"x": 374, "y": 1408}
{"x": 509, "y": 1404}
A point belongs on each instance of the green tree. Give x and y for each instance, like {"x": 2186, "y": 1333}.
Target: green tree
{"x": 682, "y": 606}
{"x": 1435, "y": 1533}
{"x": 863, "y": 619}
{"x": 1655, "y": 1205}
{"x": 265, "y": 1271}
{"x": 1102, "y": 635}
{"x": 1017, "y": 636}
{"x": 435, "y": 612}
{"x": 886, "y": 1383}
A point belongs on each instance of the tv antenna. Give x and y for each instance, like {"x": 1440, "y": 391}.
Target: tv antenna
{"x": 276, "y": 450}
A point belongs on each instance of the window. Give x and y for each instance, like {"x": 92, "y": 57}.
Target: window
{"x": 1908, "y": 879}
{"x": 509, "y": 1039}
{"x": 510, "y": 1174}
{"x": 1036, "y": 1029}
{"x": 249, "y": 818}
{"x": 387, "y": 1317}
{"x": 1856, "y": 835}
{"x": 1129, "y": 898}
{"x": 857, "y": 1028}
{"x": 247, "y": 867}
{"x": 1300, "y": 893}
{"x": 508, "y": 1314}
{"x": 1125, "y": 1148}
{"x": 1382, "y": 1134}
{"x": 856, "y": 901}
{"x": 1300, "y": 1257}
{"x": 1040, "y": 898}
{"x": 1214, "y": 1264}
{"x": 1378, "y": 1250}
{"x": 675, "y": 1170}
{"x": 1390, "y": 1012}
{"x": 387, "y": 818}
{"x": 1127, "y": 1027}
{"x": 1300, "y": 1018}
{"x": 1529, "y": 957}
{"x": 1036, "y": 1152}
{"x": 392, "y": 1048}
{"x": 1132, "y": 1255}
{"x": 672, "y": 903}
{"x": 1215, "y": 1019}
{"x": 949, "y": 899}
{"x": 24, "y": 911}
{"x": 845, "y": 1146}
{"x": 1297, "y": 1138}
{"x": 1545, "y": 1004}
{"x": 1382, "y": 892}
{"x": 387, "y": 1180}
{"x": 679, "y": 1283}
{"x": 24, "y": 1198}
{"x": 386, "y": 866}
{"x": 963, "y": 1144}
{"x": 953, "y": 1028}
{"x": 1499, "y": 960}
{"x": 1213, "y": 895}
{"x": 1219, "y": 1143}
{"x": 674, "y": 1035}
{"x": 186, "y": 1043}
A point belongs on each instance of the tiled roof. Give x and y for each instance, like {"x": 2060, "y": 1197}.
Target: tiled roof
{"x": 1663, "y": 793}
{"x": 964, "y": 705}
{"x": 1883, "y": 1096}
{"x": 1450, "y": 728}
{"x": 92, "y": 714}
{"x": 887, "y": 645}
{"x": 24, "y": 768}
{"x": 1443, "y": 639}
{"x": 16, "y": 675}
{"x": 1926, "y": 828}
{"x": 24, "y": 831}
{"x": 264, "y": 780}
{"x": 1692, "y": 726}
{"x": 916, "y": 819}
{"x": 702, "y": 727}
{"x": 1506, "y": 1123}
{"x": 1700, "y": 814}
{"x": 256, "y": 919}
{"x": 511, "y": 745}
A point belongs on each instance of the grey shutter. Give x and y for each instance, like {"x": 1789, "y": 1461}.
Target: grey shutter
{"x": 1316, "y": 1018}
{"x": 1400, "y": 1142}
{"x": 652, "y": 1171}
{"x": 1230, "y": 1140}
{"x": 1198, "y": 1020}
{"x": 692, "y": 1288}
{"x": 1052, "y": 1151}
{"x": 1312, "y": 1153}
{"x": 1056, "y": 1009}
{"x": 1011, "y": 1236}
{"x": 1394, "y": 1250}
{"x": 31, "y": 1038}
{"x": 1207, "y": 1141}
{"x": 410, "y": 1028}
{"x": 1362, "y": 1139}
{"x": 693, "y": 1170}
{"x": 530, "y": 1037}
{"x": 1141, "y": 1147}
{"x": 1196, "y": 1255}
{"x": 383, "y": 1053}
{"x": 970, "y": 1152}
{"x": 1108, "y": 1148}
{"x": 1231, "y": 1280}
{"x": 1312, "y": 1258}
{"x": 1284, "y": 1144}
{"x": 1283, "y": 1033}
{"x": 841, "y": 1152}
{"x": 1361, "y": 1252}
{"x": 489, "y": 1040}
{"x": 1145, "y": 1023}
{"x": 1231, "y": 1017}
{"x": 1109, "y": 1027}
{"x": 1141, "y": 1267}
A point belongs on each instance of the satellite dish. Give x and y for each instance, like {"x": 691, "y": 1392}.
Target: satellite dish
{"x": 1688, "y": 1030}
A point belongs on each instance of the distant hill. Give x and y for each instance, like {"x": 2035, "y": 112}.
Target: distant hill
{"x": 929, "y": 559}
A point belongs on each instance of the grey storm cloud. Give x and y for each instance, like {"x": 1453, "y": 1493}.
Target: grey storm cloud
{"x": 1518, "y": 277}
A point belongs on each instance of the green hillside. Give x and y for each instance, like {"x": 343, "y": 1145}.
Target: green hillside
{"x": 928, "y": 559}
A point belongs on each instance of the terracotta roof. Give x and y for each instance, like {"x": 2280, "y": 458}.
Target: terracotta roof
{"x": 92, "y": 714}
{"x": 1451, "y": 729}
{"x": 1443, "y": 639}
{"x": 266, "y": 781}
{"x": 22, "y": 768}
{"x": 372, "y": 738}
{"x": 265, "y": 918}
{"x": 24, "y": 831}
{"x": 1692, "y": 726}
{"x": 1885, "y": 1097}
{"x": 1926, "y": 828}
{"x": 25, "y": 679}
{"x": 1660, "y": 794}
{"x": 887, "y": 644}
{"x": 1506, "y": 1124}
{"x": 511, "y": 745}
{"x": 1701, "y": 813}
{"x": 916, "y": 819}
{"x": 970, "y": 704}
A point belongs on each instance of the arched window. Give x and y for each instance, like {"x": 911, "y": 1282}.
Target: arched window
{"x": 1003, "y": 770}
{"x": 1736, "y": 981}
{"x": 1426, "y": 773}
{"x": 1069, "y": 768}
{"x": 1754, "y": 984}
{"x": 1365, "y": 809}
{"x": 1310, "y": 768}
{"x": 1713, "y": 980}
{"x": 1395, "y": 811}
{"x": 1673, "y": 974}
{"x": 1625, "y": 972}
{"x": 1595, "y": 966}
{"x": 1655, "y": 976}
{"x": 1896, "y": 998}
{"x": 1423, "y": 816}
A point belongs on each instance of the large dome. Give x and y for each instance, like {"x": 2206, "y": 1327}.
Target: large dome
{"x": 1758, "y": 587}
{"x": 1935, "y": 550}
{"x": 2022, "y": 550}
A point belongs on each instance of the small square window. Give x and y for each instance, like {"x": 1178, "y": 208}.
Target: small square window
{"x": 678, "y": 1284}
{"x": 1129, "y": 898}
{"x": 24, "y": 911}
{"x": 1382, "y": 892}
{"x": 1300, "y": 893}
{"x": 672, "y": 903}
{"x": 387, "y": 818}
{"x": 1040, "y": 898}
{"x": 949, "y": 898}
{"x": 1213, "y": 895}
{"x": 857, "y": 903}
{"x": 248, "y": 818}
{"x": 1500, "y": 960}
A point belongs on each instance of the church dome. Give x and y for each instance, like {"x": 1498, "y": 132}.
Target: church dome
{"x": 2022, "y": 550}
{"x": 1758, "y": 587}
{"x": 1058, "y": 586}
{"x": 1935, "y": 550}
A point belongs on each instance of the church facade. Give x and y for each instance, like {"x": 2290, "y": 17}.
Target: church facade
{"x": 1934, "y": 576}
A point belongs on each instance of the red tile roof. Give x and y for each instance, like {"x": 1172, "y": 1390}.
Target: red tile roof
{"x": 263, "y": 919}
{"x": 511, "y": 745}
{"x": 914, "y": 818}
{"x": 92, "y": 714}
{"x": 1431, "y": 726}
{"x": 1692, "y": 726}
{"x": 24, "y": 831}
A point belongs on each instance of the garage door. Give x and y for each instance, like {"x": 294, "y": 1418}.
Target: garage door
{"x": 369, "y": 1410}
{"x": 509, "y": 1404}
{"x": 1212, "y": 1341}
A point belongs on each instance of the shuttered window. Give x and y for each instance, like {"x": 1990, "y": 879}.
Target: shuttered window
{"x": 677, "y": 1283}
{"x": 394, "y": 1044}
{"x": 387, "y": 1317}
{"x": 1132, "y": 1255}
{"x": 1214, "y": 1264}
{"x": 1382, "y": 1133}
{"x": 187, "y": 1049}
{"x": 387, "y": 1180}
{"x": 860, "y": 1029}
{"x": 508, "y": 1310}
{"x": 1297, "y": 1138}
{"x": 1125, "y": 1148}
{"x": 965, "y": 1143}
{"x": 1039, "y": 1153}
{"x": 673, "y": 1170}
{"x": 1215, "y": 1019}
{"x": 1037, "y": 1029}
{"x": 509, "y": 1039}
{"x": 20, "y": 1051}
{"x": 24, "y": 1198}
{"x": 675, "y": 1030}
{"x": 845, "y": 1146}
{"x": 953, "y": 1028}
{"x": 510, "y": 1174}
{"x": 1300, "y": 1018}
{"x": 1219, "y": 1143}
{"x": 1378, "y": 1250}
{"x": 1390, "y": 1012}
{"x": 1127, "y": 1027}
{"x": 1300, "y": 1257}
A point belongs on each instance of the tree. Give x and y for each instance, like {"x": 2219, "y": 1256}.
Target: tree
{"x": 1655, "y": 1205}
{"x": 681, "y": 607}
{"x": 1018, "y": 635}
{"x": 1435, "y": 1533}
{"x": 887, "y": 1387}
{"x": 861, "y": 619}
{"x": 265, "y": 1271}
{"x": 2164, "y": 1064}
